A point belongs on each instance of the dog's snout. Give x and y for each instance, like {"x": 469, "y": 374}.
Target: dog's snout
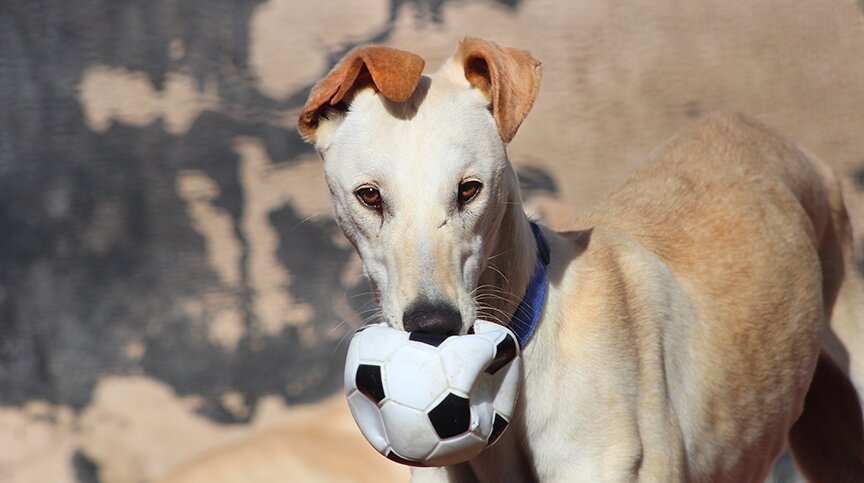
{"x": 432, "y": 317}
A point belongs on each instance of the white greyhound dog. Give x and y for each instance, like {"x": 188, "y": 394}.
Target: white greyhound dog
{"x": 683, "y": 322}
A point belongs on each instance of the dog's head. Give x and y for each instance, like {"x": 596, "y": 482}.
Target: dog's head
{"x": 418, "y": 172}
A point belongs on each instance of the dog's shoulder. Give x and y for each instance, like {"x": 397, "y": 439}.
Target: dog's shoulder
{"x": 603, "y": 267}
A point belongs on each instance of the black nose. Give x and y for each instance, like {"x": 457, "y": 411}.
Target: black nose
{"x": 433, "y": 318}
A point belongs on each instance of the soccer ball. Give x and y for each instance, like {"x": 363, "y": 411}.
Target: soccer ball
{"x": 430, "y": 400}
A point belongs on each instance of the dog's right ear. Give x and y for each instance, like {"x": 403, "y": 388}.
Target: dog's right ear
{"x": 394, "y": 73}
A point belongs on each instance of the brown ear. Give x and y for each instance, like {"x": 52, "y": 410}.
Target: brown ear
{"x": 510, "y": 78}
{"x": 394, "y": 73}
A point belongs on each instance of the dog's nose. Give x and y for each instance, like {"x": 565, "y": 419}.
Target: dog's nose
{"x": 433, "y": 318}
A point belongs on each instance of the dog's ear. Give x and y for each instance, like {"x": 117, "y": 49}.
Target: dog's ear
{"x": 510, "y": 79}
{"x": 394, "y": 73}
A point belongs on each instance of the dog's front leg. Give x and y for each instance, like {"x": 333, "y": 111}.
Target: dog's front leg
{"x": 460, "y": 473}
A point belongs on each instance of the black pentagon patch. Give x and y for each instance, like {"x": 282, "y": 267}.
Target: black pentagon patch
{"x": 369, "y": 382}
{"x": 431, "y": 339}
{"x": 498, "y": 427}
{"x": 504, "y": 353}
{"x": 471, "y": 330}
{"x": 451, "y": 417}
{"x": 392, "y": 456}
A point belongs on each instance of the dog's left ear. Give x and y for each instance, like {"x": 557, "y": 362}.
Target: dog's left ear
{"x": 394, "y": 73}
{"x": 510, "y": 79}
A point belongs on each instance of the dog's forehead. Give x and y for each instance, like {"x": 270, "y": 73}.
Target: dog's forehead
{"x": 444, "y": 128}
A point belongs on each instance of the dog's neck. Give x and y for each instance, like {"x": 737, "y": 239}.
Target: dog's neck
{"x": 510, "y": 262}
{"x": 503, "y": 284}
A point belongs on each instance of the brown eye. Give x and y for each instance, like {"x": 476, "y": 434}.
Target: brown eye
{"x": 369, "y": 196}
{"x": 468, "y": 190}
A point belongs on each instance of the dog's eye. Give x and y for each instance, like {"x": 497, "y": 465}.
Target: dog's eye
{"x": 369, "y": 196}
{"x": 468, "y": 190}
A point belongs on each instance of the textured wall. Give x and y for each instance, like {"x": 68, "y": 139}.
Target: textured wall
{"x": 171, "y": 281}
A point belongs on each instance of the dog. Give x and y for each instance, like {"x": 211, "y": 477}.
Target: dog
{"x": 309, "y": 443}
{"x": 685, "y": 332}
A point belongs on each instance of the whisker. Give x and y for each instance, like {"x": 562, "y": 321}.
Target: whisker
{"x": 337, "y": 326}
{"x": 499, "y": 272}
{"x": 497, "y": 310}
{"x": 509, "y": 303}
{"x": 491, "y": 317}
{"x": 376, "y": 316}
{"x": 303, "y": 221}
{"x": 505, "y": 252}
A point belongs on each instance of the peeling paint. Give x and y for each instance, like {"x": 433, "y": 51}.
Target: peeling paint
{"x": 110, "y": 95}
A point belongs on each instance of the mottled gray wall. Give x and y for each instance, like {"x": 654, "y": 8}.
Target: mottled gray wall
{"x": 98, "y": 248}
{"x": 166, "y": 249}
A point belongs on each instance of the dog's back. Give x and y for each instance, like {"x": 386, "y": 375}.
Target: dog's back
{"x": 756, "y": 235}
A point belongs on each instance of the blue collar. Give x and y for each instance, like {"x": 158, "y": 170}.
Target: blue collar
{"x": 527, "y": 314}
